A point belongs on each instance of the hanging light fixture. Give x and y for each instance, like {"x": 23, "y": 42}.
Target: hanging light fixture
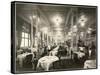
{"x": 82, "y": 24}
{"x": 89, "y": 30}
{"x": 57, "y": 19}
{"x": 69, "y": 33}
{"x": 34, "y": 16}
{"x": 74, "y": 28}
{"x": 82, "y": 20}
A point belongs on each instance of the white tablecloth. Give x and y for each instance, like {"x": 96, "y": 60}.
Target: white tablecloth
{"x": 46, "y": 61}
{"x": 80, "y": 54}
{"x": 90, "y": 64}
{"x": 21, "y": 57}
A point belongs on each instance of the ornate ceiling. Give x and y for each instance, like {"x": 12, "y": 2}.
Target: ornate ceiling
{"x": 58, "y": 18}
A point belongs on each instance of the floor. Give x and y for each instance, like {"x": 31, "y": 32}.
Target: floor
{"x": 65, "y": 63}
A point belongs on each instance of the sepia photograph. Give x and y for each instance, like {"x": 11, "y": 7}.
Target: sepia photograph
{"x": 53, "y": 37}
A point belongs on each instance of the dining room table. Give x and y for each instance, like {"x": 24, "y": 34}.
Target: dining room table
{"x": 46, "y": 61}
{"x": 90, "y": 64}
{"x": 21, "y": 57}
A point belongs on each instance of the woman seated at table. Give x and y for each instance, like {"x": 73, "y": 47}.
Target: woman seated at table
{"x": 79, "y": 56}
{"x": 54, "y": 52}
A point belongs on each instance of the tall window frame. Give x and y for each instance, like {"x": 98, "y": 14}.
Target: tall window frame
{"x": 25, "y": 39}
